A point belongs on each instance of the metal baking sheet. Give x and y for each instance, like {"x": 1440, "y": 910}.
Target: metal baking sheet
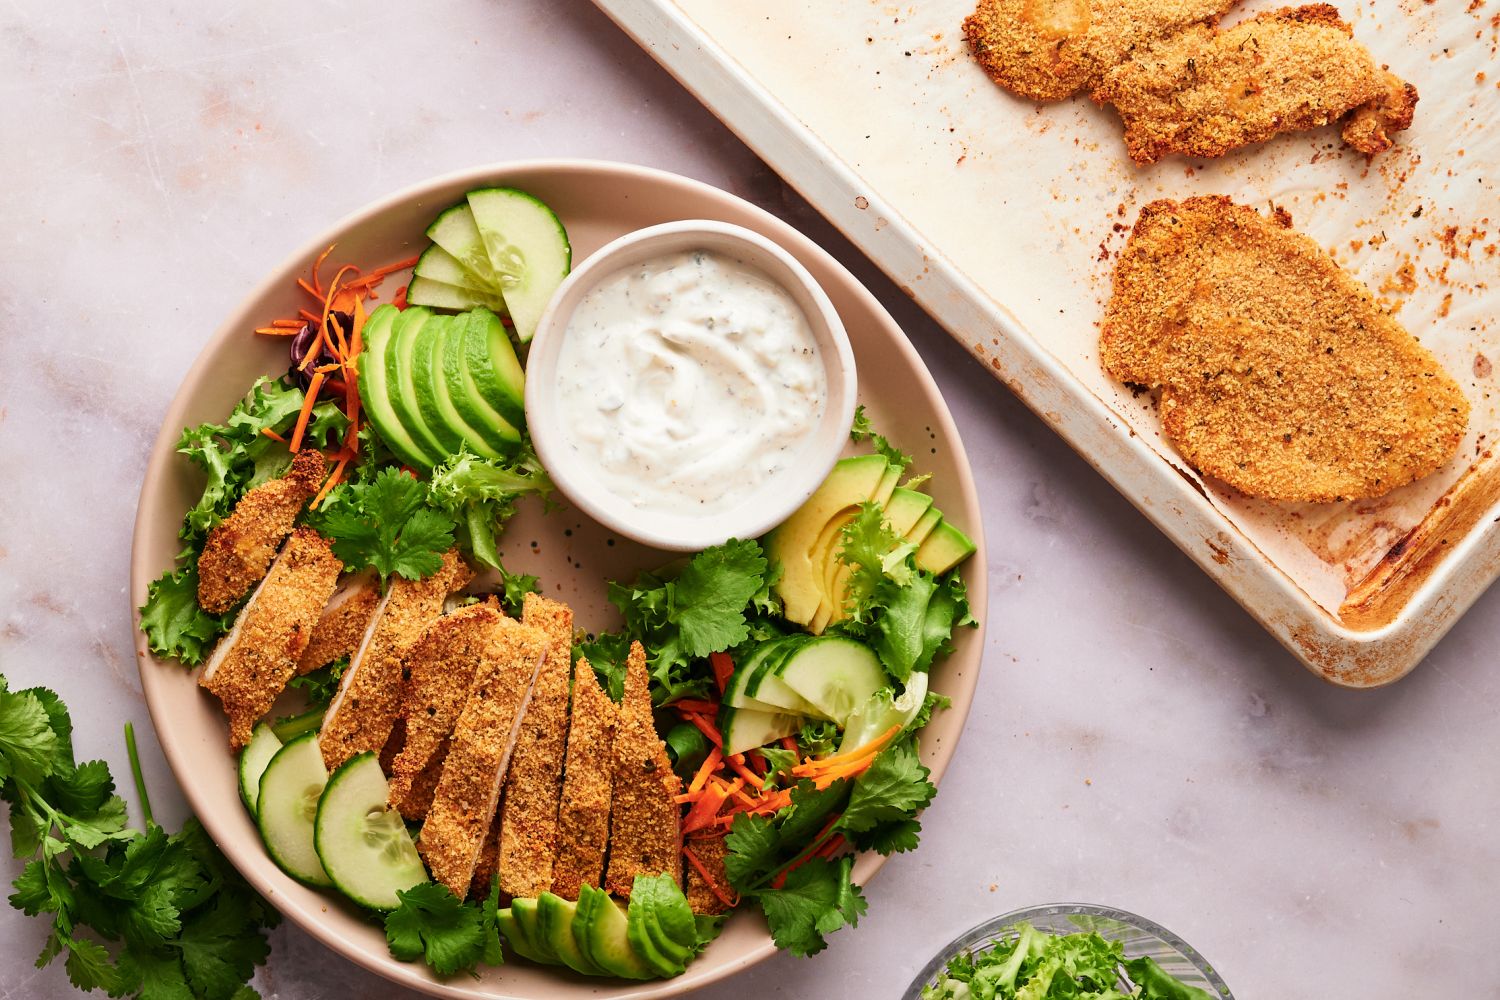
{"x": 1002, "y": 217}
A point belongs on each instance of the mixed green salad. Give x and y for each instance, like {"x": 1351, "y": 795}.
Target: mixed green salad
{"x": 788, "y": 675}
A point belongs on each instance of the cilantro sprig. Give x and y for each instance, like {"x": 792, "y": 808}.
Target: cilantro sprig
{"x": 386, "y": 523}
{"x": 134, "y": 913}
{"x": 450, "y": 935}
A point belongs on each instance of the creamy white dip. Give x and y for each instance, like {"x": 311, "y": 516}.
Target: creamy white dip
{"x": 689, "y": 382}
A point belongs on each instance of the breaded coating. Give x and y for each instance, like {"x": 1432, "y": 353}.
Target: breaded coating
{"x": 1047, "y": 50}
{"x": 343, "y": 622}
{"x": 253, "y": 663}
{"x": 440, "y": 668}
{"x": 368, "y": 702}
{"x": 645, "y": 824}
{"x": 1204, "y": 92}
{"x": 489, "y": 858}
{"x": 483, "y": 741}
{"x": 710, "y": 852}
{"x": 528, "y": 822}
{"x": 1280, "y": 373}
{"x": 588, "y": 779}
{"x": 240, "y": 547}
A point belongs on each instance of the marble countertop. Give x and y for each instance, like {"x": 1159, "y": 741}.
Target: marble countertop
{"x": 1137, "y": 740}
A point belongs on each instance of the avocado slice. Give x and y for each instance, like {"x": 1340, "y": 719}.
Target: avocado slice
{"x": 882, "y": 494}
{"x": 494, "y": 368}
{"x": 924, "y": 526}
{"x": 602, "y": 931}
{"x": 427, "y": 382}
{"x": 944, "y": 549}
{"x": 524, "y": 911}
{"x": 905, "y": 508}
{"x": 400, "y": 379}
{"x": 664, "y": 961}
{"x": 375, "y": 393}
{"x": 506, "y": 921}
{"x": 794, "y": 544}
{"x": 499, "y": 434}
{"x": 554, "y": 928}
{"x": 658, "y": 906}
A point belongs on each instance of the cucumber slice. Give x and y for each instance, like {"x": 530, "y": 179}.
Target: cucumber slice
{"x": 253, "y": 760}
{"x": 737, "y": 694}
{"x": 437, "y": 264}
{"x": 454, "y": 230}
{"x": 836, "y": 674}
{"x": 745, "y": 728}
{"x": 528, "y": 251}
{"x": 361, "y": 840}
{"x": 768, "y": 688}
{"x": 287, "y": 806}
{"x": 441, "y": 295}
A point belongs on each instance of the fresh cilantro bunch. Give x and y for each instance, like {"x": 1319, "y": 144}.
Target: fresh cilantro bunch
{"x": 1035, "y": 965}
{"x": 450, "y": 935}
{"x": 719, "y": 600}
{"x": 149, "y": 914}
{"x": 779, "y": 861}
{"x": 237, "y": 454}
{"x": 907, "y": 615}
{"x": 385, "y": 523}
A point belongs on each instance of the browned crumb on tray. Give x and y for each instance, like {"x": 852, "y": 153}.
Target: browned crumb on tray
{"x": 1047, "y": 50}
{"x": 1204, "y": 92}
{"x": 368, "y": 702}
{"x": 1279, "y": 372}
{"x": 342, "y": 625}
{"x": 259, "y": 655}
{"x": 645, "y": 826}
{"x": 588, "y": 781}
{"x": 440, "y": 668}
{"x": 528, "y": 831}
{"x": 241, "y": 547}
{"x": 479, "y": 755}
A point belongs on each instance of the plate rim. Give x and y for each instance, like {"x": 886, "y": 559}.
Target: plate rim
{"x": 163, "y": 452}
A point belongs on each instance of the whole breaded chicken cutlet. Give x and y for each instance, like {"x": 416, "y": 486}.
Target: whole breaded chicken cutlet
{"x": 1279, "y": 372}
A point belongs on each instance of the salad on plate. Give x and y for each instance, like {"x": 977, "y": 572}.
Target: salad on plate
{"x": 420, "y": 730}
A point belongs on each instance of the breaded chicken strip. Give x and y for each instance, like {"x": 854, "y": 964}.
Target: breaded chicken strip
{"x": 343, "y": 622}
{"x": 588, "y": 780}
{"x": 469, "y": 790}
{"x": 364, "y": 712}
{"x": 703, "y": 897}
{"x": 241, "y": 546}
{"x": 1279, "y": 372}
{"x": 440, "y": 669}
{"x": 645, "y": 824}
{"x": 253, "y": 663}
{"x": 1047, "y": 50}
{"x": 528, "y": 820}
{"x": 1204, "y": 92}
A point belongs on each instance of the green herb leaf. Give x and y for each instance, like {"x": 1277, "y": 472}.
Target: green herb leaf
{"x": 863, "y": 430}
{"x": 174, "y": 624}
{"x": 893, "y": 788}
{"x": 433, "y": 924}
{"x": 385, "y": 524}
{"x": 817, "y": 899}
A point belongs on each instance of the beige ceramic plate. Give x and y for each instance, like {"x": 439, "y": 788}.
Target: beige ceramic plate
{"x": 574, "y": 557}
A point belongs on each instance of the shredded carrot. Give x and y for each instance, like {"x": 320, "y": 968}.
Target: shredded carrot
{"x": 843, "y": 760}
{"x": 381, "y": 273}
{"x": 827, "y": 777}
{"x": 706, "y": 809}
{"x": 789, "y": 743}
{"x": 706, "y": 728}
{"x": 708, "y": 880}
{"x": 334, "y": 478}
{"x": 307, "y": 315}
{"x": 757, "y": 761}
{"x": 399, "y": 299}
{"x": 272, "y": 435}
{"x": 307, "y": 287}
{"x": 316, "y": 347}
{"x": 739, "y": 796}
{"x": 695, "y": 706}
{"x": 710, "y": 765}
{"x": 318, "y": 266}
{"x": 277, "y": 329}
{"x": 834, "y": 843}
{"x": 737, "y": 763}
{"x": 723, "y": 668}
{"x": 310, "y": 401}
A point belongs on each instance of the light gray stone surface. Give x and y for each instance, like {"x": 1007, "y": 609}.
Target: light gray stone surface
{"x": 1137, "y": 739}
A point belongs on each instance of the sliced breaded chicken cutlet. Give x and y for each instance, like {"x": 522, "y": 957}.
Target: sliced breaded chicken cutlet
{"x": 343, "y": 621}
{"x": 1047, "y": 50}
{"x": 533, "y": 788}
{"x": 240, "y": 548}
{"x": 252, "y": 664}
{"x": 645, "y": 823}
{"x": 363, "y": 713}
{"x": 440, "y": 670}
{"x": 1279, "y": 372}
{"x": 481, "y": 753}
{"x": 588, "y": 780}
{"x": 1204, "y": 92}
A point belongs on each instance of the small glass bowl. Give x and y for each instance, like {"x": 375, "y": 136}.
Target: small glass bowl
{"x": 1141, "y": 937}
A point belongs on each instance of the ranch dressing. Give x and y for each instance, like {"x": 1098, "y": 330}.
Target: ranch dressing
{"x": 688, "y": 382}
